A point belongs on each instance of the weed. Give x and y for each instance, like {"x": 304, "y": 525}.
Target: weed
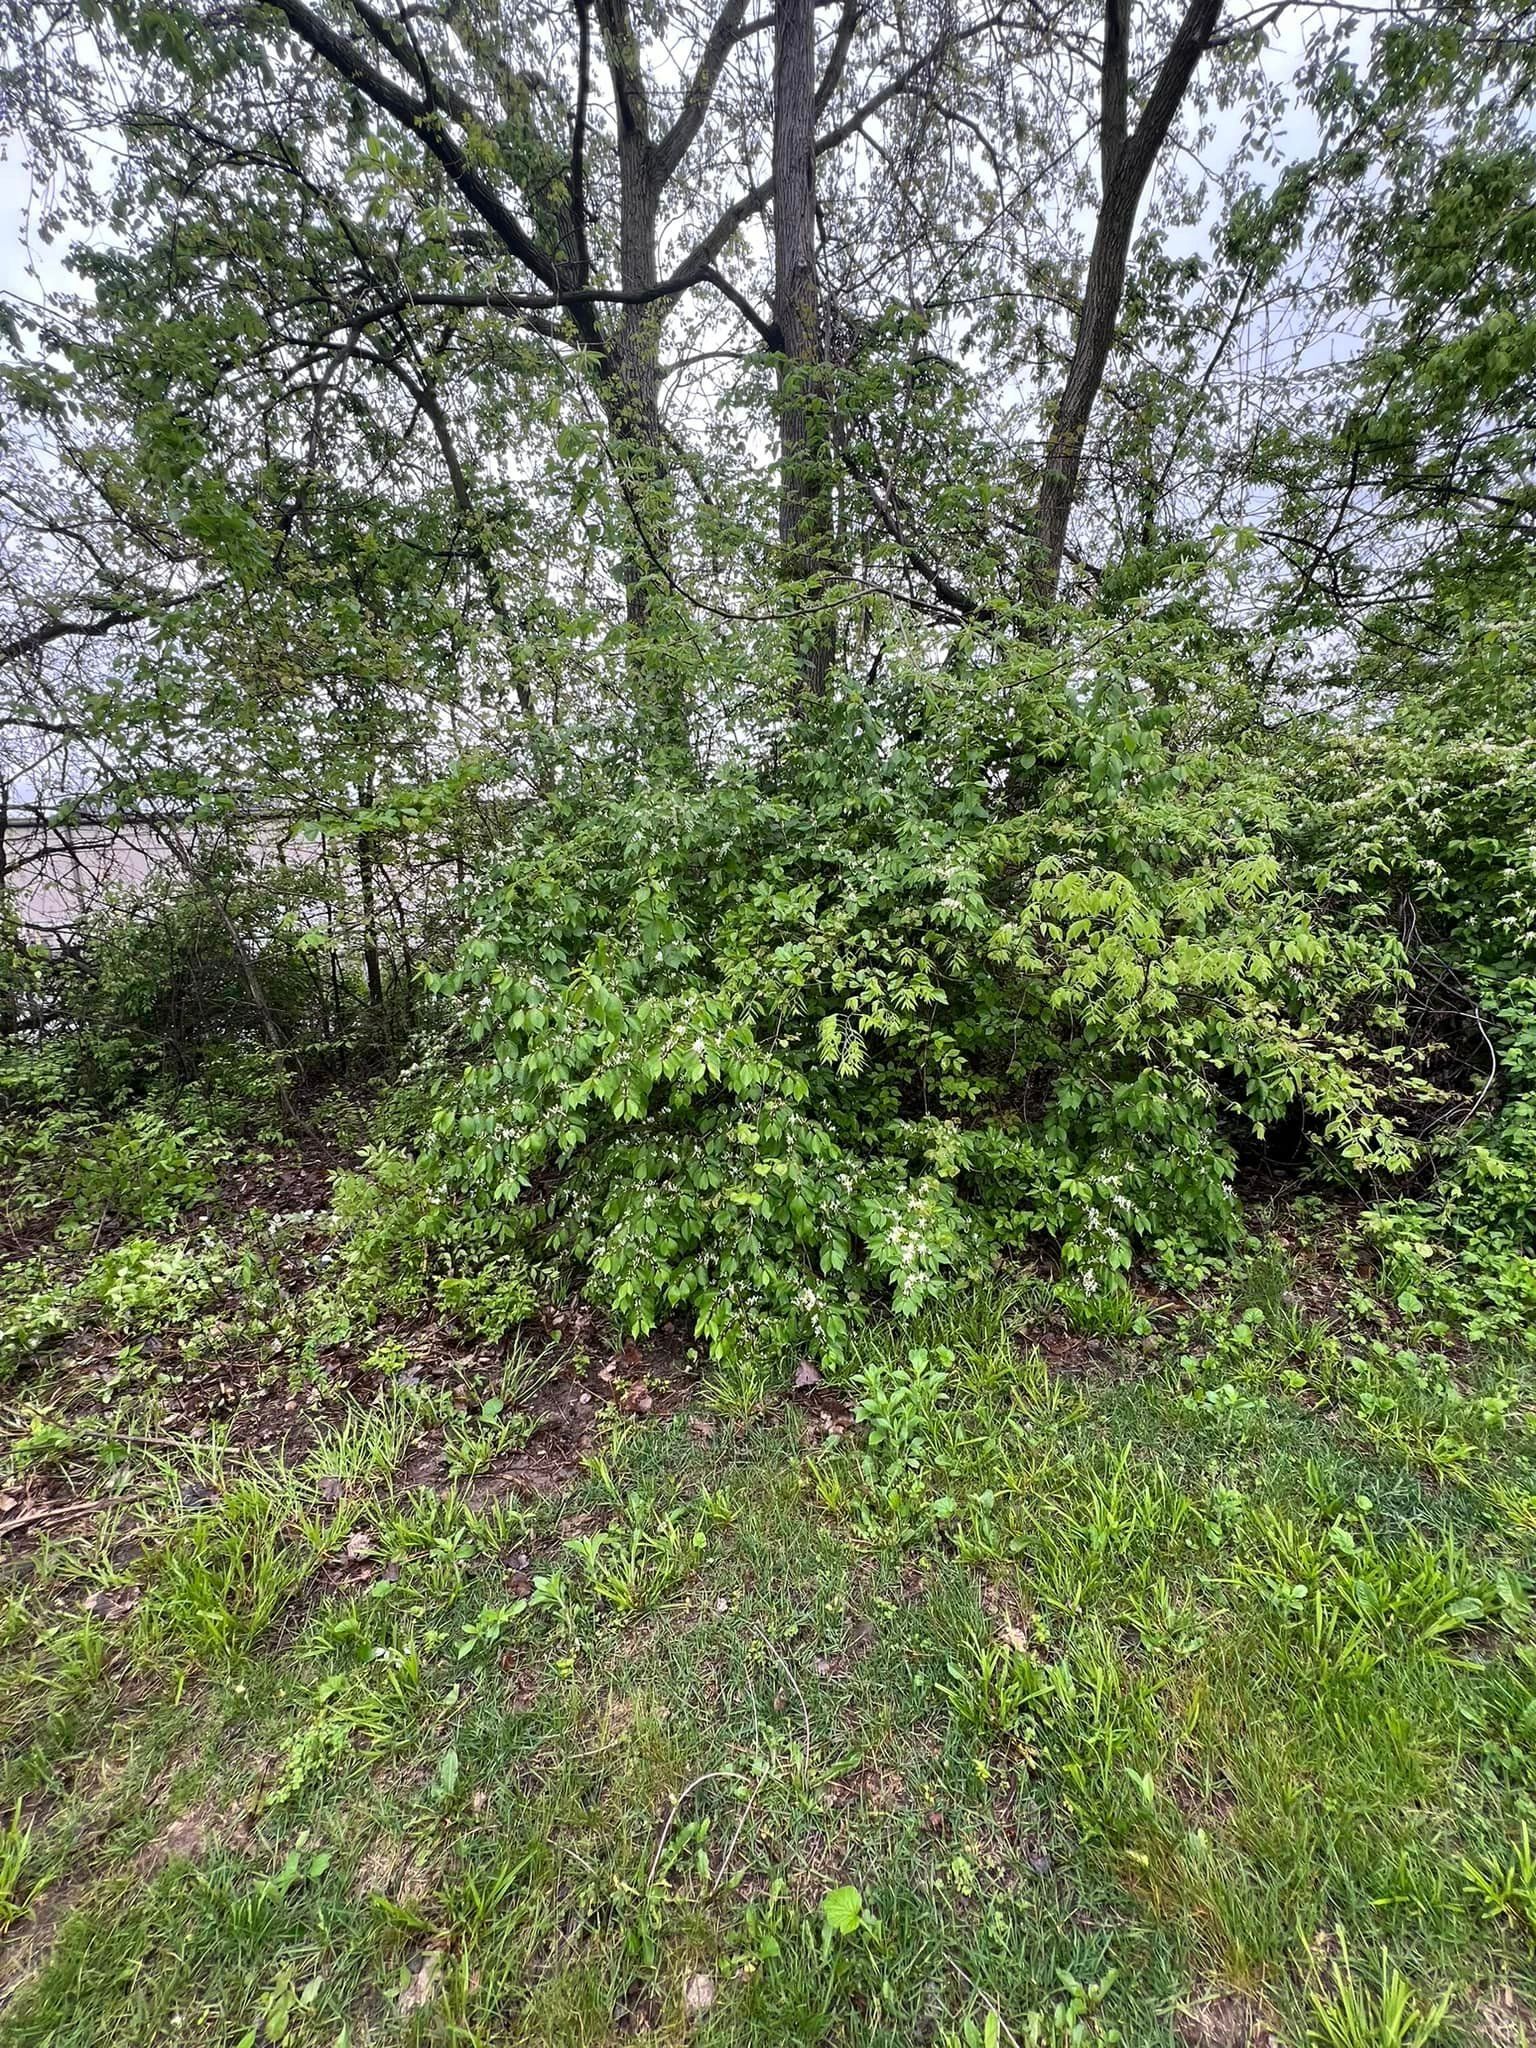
{"x": 1386, "y": 2014}
{"x": 142, "y": 1285}
{"x": 144, "y": 1170}
{"x": 15, "y": 1843}
{"x": 636, "y": 1567}
{"x": 1505, "y": 1885}
{"x": 35, "y": 1311}
{"x": 470, "y": 1446}
{"x": 221, "y": 1578}
{"x": 990, "y": 1685}
{"x": 491, "y": 1302}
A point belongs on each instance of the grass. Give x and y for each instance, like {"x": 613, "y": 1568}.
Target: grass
{"x": 1032, "y": 1687}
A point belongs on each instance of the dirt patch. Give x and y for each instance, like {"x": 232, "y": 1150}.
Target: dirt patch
{"x": 186, "y": 1840}
{"x": 638, "y": 2013}
{"x": 872, "y": 1788}
{"x": 1503, "y": 2019}
{"x": 392, "y": 1870}
{"x": 1205, "y": 1801}
{"x": 190, "y": 1837}
{"x": 1011, "y": 1616}
{"x": 26, "y": 1947}
{"x": 44, "y": 1506}
{"x": 1223, "y": 2019}
{"x": 1070, "y": 1357}
{"x": 572, "y": 1409}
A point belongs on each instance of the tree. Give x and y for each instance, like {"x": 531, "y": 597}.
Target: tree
{"x": 805, "y": 512}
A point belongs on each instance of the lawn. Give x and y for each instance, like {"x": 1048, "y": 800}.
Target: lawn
{"x": 383, "y": 1663}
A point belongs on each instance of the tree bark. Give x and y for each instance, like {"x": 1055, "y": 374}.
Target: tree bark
{"x": 630, "y": 390}
{"x": 805, "y": 496}
{"x": 1126, "y": 162}
{"x": 366, "y": 890}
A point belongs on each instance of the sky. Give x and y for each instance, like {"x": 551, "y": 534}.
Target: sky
{"x": 13, "y": 218}
{"x": 21, "y": 250}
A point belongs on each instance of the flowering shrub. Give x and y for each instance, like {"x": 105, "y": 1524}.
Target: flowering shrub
{"x": 992, "y": 963}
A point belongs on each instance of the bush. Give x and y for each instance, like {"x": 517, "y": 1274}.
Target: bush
{"x": 219, "y": 983}
{"x": 142, "y": 1169}
{"x": 400, "y": 1244}
{"x": 759, "y": 1050}
{"x": 142, "y": 1285}
{"x": 35, "y": 1311}
{"x": 393, "y": 1224}
{"x": 1429, "y": 817}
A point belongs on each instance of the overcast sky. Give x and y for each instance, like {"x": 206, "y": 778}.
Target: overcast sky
{"x": 20, "y": 252}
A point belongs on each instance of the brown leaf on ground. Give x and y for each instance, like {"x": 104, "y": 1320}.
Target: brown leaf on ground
{"x": 698, "y": 1995}
{"x": 113, "y": 1603}
{"x": 422, "y": 1988}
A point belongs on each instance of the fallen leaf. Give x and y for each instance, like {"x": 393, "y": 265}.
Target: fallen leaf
{"x": 113, "y": 1605}
{"x": 698, "y": 1994}
{"x": 422, "y": 1988}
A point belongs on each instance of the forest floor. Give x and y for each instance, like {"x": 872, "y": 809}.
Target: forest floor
{"x": 1036, "y": 1686}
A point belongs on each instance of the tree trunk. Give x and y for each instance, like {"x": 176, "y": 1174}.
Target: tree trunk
{"x": 10, "y": 1000}
{"x": 1126, "y": 163}
{"x": 805, "y": 497}
{"x": 365, "y": 883}
{"x": 630, "y": 391}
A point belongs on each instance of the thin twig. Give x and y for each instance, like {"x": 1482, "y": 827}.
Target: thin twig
{"x": 40, "y": 1515}
{"x": 805, "y": 1712}
{"x": 677, "y": 1807}
{"x": 725, "y": 1862}
{"x": 971, "y": 1982}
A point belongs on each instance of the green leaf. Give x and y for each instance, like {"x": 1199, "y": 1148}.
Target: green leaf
{"x": 843, "y": 1910}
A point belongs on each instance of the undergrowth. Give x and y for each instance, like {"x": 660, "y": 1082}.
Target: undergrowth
{"x": 391, "y": 1651}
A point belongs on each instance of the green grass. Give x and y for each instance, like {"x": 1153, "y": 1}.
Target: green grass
{"x": 1182, "y": 1687}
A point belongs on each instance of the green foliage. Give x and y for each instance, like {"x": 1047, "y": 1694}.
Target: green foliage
{"x": 762, "y": 1049}
{"x": 990, "y": 1686}
{"x": 35, "y": 1308}
{"x": 15, "y": 1841}
{"x": 1430, "y": 819}
{"x": 393, "y": 1224}
{"x": 639, "y": 1561}
{"x": 1387, "y": 2014}
{"x": 145, "y": 1285}
{"x": 492, "y": 1302}
{"x": 1505, "y": 1885}
{"x": 167, "y": 971}
{"x": 143, "y": 1170}
{"x": 221, "y": 1579}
